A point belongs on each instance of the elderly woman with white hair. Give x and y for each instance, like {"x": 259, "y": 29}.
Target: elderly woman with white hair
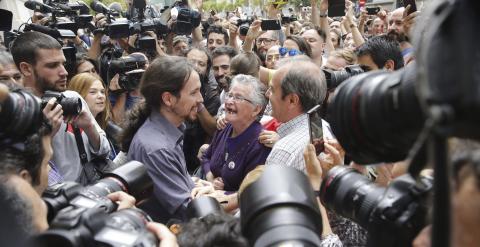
{"x": 235, "y": 150}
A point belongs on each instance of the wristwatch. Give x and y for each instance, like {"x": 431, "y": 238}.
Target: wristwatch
{"x": 323, "y": 15}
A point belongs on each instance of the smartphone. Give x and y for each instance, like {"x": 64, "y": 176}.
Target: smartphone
{"x": 271, "y": 25}
{"x": 336, "y": 8}
{"x": 413, "y": 5}
{"x": 373, "y": 10}
{"x": 316, "y": 129}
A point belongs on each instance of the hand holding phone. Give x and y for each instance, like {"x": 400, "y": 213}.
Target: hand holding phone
{"x": 271, "y": 25}
{"x": 315, "y": 127}
{"x": 373, "y": 10}
{"x": 336, "y": 8}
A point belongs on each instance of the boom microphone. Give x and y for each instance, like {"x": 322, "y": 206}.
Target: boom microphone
{"x": 40, "y": 7}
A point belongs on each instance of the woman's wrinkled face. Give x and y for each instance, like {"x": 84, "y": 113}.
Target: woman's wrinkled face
{"x": 239, "y": 106}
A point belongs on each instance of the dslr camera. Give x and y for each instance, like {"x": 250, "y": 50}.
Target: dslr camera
{"x": 20, "y": 113}
{"x": 71, "y": 106}
{"x": 335, "y": 78}
{"x": 187, "y": 19}
{"x": 130, "y": 69}
{"x": 243, "y": 25}
{"x": 287, "y": 19}
{"x": 85, "y": 216}
{"x": 393, "y": 215}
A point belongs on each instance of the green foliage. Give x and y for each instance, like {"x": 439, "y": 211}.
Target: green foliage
{"x": 107, "y": 2}
{"x": 298, "y": 3}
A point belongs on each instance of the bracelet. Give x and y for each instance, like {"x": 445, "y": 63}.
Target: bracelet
{"x": 323, "y": 15}
{"x": 352, "y": 25}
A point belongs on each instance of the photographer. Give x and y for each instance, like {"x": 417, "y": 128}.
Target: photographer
{"x": 40, "y": 59}
{"x": 380, "y": 52}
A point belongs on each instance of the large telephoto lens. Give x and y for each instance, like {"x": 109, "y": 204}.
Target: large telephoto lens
{"x": 131, "y": 178}
{"x": 393, "y": 215}
{"x": 335, "y": 78}
{"x": 280, "y": 208}
{"x": 20, "y": 114}
{"x": 71, "y": 106}
{"x": 376, "y": 116}
{"x": 350, "y": 194}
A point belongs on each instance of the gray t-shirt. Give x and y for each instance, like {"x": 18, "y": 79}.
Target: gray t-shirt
{"x": 158, "y": 144}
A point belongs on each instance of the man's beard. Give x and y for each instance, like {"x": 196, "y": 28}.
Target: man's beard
{"x": 399, "y": 37}
{"x": 262, "y": 54}
{"x": 45, "y": 85}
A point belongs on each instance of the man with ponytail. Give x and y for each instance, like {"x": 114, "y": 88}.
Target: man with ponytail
{"x": 154, "y": 133}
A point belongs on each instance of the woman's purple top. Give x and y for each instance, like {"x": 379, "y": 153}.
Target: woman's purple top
{"x": 232, "y": 158}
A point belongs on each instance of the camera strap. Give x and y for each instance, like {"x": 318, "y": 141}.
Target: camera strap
{"x": 81, "y": 148}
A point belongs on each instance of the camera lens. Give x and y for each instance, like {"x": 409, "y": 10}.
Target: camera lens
{"x": 376, "y": 116}
{"x": 203, "y": 206}
{"x": 276, "y": 212}
{"x": 131, "y": 178}
{"x": 71, "y": 106}
{"x": 335, "y": 78}
{"x": 350, "y": 194}
{"x": 393, "y": 215}
{"x": 20, "y": 114}
{"x": 244, "y": 29}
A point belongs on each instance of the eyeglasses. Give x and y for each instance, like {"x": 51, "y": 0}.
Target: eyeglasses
{"x": 264, "y": 41}
{"x": 291, "y": 52}
{"x": 237, "y": 98}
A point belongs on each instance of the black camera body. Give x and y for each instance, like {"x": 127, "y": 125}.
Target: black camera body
{"x": 71, "y": 106}
{"x": 145, "y": 42}
{"x": 130, "y": 70}
{"x": 78, "y": 13}
{"x": 78, "y": 226}
{"x": 131, "y": 178}
{"x": 187, "y": 20}
{"x": 85, "y": 216}
{"x": 20, "y": 114}
{"x": 130, "y": 80}
{"x": 115, "y": 30}
{"x": 393, "y": 215}
{"x": 287, "y": 19}
{"x": 243, "y": 26}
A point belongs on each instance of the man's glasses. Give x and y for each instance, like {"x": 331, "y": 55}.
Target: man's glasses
{"x": 237, "y": 98}
{"x": 291, "y": 52}
{"x": 264, "y": 41}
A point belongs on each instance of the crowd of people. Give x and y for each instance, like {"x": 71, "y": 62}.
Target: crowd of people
{"x": 211, "y": 107}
